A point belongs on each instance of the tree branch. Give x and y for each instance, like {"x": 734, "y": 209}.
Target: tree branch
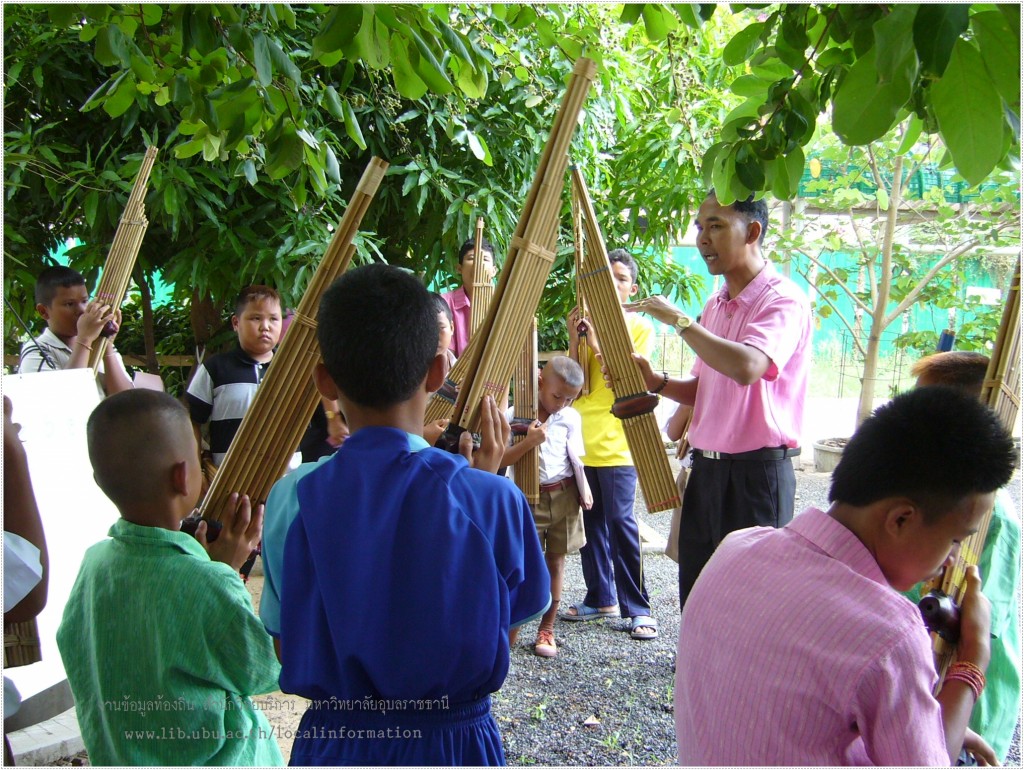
{"x": 914, "y": 293}
{"x": 841, "y": 283}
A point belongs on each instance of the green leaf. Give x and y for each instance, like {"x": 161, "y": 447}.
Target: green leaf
{"x": 533, "y": 101}
{"x": 911, "y": 134}
{"x": 743, "y": 44}
{"x": 372, "y": 42}
{"x": 331, "y": 165}
{"x": 249, "y": 168}
{"x": 631, "y": 12}
{"x": 428, "y": 67}
{"x": 654, "y": 22}
{"x": 340, "y": 28}
{"x": 970, "y": 115}
{"x": 863, "y": 109}
{"x": 151, "y": 14}
{"x": 94, "y": 98}
{"x": 121, "y": 99}
{"x": 92, "y": 202}
{"x": 936, "y": 30}
{"x": 407, "y": 81}
{"x": 171, "y": 200}
{"x": 750, "y": 86}
{"x": 1000, "y": 50}
{"x": 333, "y": 103}
{"x": 794, "y": 169}
{"x": 352, "y": 126}
{"x": 475, "y": 146}
{"x": 883, "y": 198}
{"x": 112, "y": 47}
{"x": 188, "y": 149}
{"x": 522, "y": 73}
{"x": 894, "y": 43}
{"x": 284, "y": 63}
{"x": 261, "y": 59}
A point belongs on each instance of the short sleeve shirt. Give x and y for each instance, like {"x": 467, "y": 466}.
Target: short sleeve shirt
{"x": 773, "y": 315}
{"x": 603, "y": 435}
{"x": 387, "y": 522}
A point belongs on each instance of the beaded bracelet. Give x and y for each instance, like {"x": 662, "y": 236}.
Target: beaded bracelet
{"x": 79, "y": 342}
{"x": 664, "y": 382}
{"x": 968, "y": 673}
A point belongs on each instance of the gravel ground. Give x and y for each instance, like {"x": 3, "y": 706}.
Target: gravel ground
{"x": 605, "y": 699}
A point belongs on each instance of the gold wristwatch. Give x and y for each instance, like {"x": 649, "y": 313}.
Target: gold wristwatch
{"x": 682, "y": 323}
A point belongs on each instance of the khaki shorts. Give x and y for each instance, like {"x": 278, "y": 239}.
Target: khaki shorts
{"x": 559, "y": 521}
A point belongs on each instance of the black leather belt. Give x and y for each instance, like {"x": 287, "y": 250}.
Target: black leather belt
{"x": 775, "y": 453}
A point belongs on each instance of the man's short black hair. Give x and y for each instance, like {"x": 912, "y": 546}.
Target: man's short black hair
{"x": 933, "y": 445}
{"x": 623, "y": 256}
{"x": 443, "y": 307}
{"x": 752, "y": 210}
{"x": 53, "y": 278}
{"x": 468, "y": 246}
{"x": 378, "y": 333}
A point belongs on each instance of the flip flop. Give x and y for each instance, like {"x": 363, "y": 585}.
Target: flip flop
{"x": 586, "y": 613}
{"x": 643, "y": 621}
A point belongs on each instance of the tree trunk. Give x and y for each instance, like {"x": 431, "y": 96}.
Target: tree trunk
{"x": 148, "y": 325}
{"x": 870, "y": 372}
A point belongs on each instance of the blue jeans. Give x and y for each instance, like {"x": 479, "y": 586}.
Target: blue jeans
{"x": 612, "y": 558}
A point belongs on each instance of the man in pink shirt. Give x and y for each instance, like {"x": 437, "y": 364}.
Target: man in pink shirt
{"x": 794, "y": 647}
{"x": 747, "y": 386}
{"x": 460, "y": 300}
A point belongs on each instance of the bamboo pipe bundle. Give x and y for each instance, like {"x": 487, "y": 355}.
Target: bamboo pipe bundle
{"x": 526, "y": 469}
{"x": 285, "y": 400}
{"x": 529, "y": 260}
{"x": 483, "y": 289}
{"x": 582, "y": 348}
{"x": 642, "y": 432}
{"x": 124, "y": 250}
{"x": 21, "y": 644}
{"x": 442, "y": 402}
{"x": 1001, "y": 391}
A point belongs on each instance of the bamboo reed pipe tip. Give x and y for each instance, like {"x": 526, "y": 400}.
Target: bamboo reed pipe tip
{"x": 585, "y": 67}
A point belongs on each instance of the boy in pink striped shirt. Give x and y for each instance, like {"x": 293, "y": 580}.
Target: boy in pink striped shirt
{"x": 794, "y": 647}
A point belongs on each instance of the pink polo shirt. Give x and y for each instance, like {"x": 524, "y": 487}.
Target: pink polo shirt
{"x": 459, "y": 303}
{"x": 773, "y": 315}
{"x": 794, "y": 650}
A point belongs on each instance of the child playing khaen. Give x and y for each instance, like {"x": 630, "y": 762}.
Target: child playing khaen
{"x": 795, "y": 647}
{"x": 73, "y": 324}
{"x": 393, "y": 570}
{"x": 224, "y": 386}
{"x": 159, "y": 639}
{"x": 995, "y": 714}
{"x": 612, "y": 558}
{"x": 460, "y": 300}
{"x": 563, "y": 485}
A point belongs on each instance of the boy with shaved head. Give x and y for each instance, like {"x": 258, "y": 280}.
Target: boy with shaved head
{"x": 159, "y": 639}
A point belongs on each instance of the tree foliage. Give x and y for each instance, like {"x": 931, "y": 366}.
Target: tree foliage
{"x": 266, "y": 116}
{"x": 953, "y": 69}
{"x": 885, "y": 251}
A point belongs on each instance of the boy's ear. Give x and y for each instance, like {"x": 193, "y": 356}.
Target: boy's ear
{"x": 325, "y": 384}
{"x": 436, "y": 373}
{"x": 43, "y": 311}
{"x": 234, "y": 323}
{"x": 179, "y": 477}
{"x": 634, "y": 289}
{"x": 900, "y": 517}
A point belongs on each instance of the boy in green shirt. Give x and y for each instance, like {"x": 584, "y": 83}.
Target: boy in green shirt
{"x": 159, "y": 639}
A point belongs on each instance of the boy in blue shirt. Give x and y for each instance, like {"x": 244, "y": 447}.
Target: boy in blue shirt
{"x": 393, "y": 570}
